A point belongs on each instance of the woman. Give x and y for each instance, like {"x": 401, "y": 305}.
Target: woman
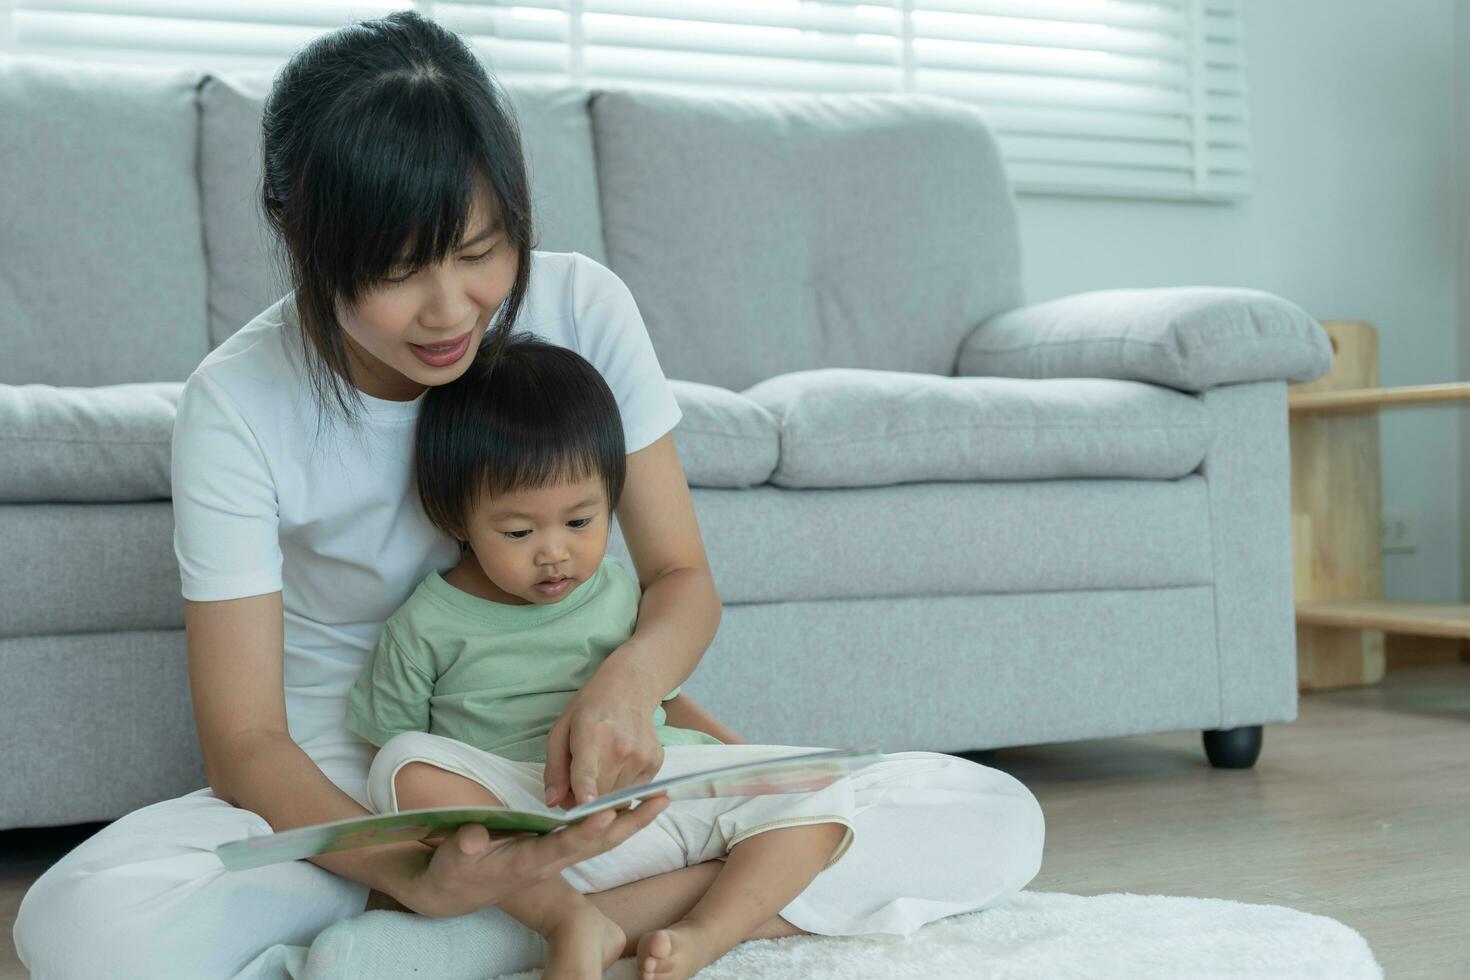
{"x": 394, "y": 178}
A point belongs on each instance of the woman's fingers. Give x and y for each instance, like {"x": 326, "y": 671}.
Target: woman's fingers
{"x": 475, "y": 868}
{"x": 606, "y": 760}
{"x": 603, "y": 832}
{"x": 599, "y": 745}
{"x": 640, "y": 767}
{"x": 472, "y": 839}
{"x": 589, "y": 762}
{"x": 558, "y": 763}
{"x": 651, "y": 764}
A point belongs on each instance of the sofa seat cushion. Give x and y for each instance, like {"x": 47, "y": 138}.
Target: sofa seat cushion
{"x": 724, "y": 439}
{"x": 767, "y": 544}
{"x": 95, "y": 725}
{"x": 86, "y": 444}
{"x": 76, "y": 568}
{"x": 86, "y": 568}
{"x": 844, "y": 427}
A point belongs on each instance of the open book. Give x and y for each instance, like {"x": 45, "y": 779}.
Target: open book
{"x": 790, "y": 774}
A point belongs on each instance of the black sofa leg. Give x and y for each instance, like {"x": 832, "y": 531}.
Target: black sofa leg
{"x": 1233, "y": 748}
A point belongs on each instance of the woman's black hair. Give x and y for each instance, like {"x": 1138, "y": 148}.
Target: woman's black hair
{"x": 533, "y": 416}
{"x": 376, "y": 138}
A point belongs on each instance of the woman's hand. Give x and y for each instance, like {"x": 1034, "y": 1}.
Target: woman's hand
{"x": 471, "y": 870}
{"x": 604, "y": 740}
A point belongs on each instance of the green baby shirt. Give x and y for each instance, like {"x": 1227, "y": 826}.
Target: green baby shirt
{"x": 491, "y": 675}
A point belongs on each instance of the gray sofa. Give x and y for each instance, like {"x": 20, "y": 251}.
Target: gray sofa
{"x": 938, "y": 518}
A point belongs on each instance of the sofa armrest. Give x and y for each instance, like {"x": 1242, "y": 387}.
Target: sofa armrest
{"x": 91, "y": 445}
{"x": 1192, "y": 338}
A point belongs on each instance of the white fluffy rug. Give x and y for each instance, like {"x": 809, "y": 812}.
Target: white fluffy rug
{"x": 1055, "y": 936}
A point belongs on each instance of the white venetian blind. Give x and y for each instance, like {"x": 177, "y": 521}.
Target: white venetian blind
{"x": 203, "y": 33}
{"x": 1119, "y": 97}
{"x": 1097, "y": 95}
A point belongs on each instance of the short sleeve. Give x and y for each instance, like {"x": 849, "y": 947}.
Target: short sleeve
{"x": 226, "y": 518}
{"x": 611, "y": 335}
{"x": 390, "y": 696}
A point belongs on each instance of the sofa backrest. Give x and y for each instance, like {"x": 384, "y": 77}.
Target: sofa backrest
{"x": 101, "y": 261}
{"x": 243, "y": 278}
{"x": 763, "y": 235}
{"x": 760, "y": 235}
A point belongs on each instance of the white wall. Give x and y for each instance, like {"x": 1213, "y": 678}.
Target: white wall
{"x": 1352, "y": 216}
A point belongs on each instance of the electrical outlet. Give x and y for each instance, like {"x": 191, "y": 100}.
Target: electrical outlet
{"x": 1398, "y": 534}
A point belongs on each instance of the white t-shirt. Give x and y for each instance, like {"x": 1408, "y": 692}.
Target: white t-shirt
{"x": 272, "y": 495}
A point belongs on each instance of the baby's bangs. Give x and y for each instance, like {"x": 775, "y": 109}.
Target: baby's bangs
{"x": 546, "y": 465}
{"x": 405, "y": 176}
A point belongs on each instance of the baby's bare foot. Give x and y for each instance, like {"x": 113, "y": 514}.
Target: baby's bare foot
{"x": 582, "y": 947}
{"x": 680, "y": 951}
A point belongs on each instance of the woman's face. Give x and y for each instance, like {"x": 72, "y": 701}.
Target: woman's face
{"x": 421, "y": 327}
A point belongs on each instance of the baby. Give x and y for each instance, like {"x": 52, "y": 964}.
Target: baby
{"x": 523, "y": 462}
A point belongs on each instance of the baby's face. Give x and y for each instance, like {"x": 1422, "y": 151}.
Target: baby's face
{"x": 538, "y": 545}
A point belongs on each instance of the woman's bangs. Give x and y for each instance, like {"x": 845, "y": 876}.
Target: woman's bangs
{"x": 406, "y": 200}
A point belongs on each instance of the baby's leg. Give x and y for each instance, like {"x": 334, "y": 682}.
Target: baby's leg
{"x": 761, "y": 876}
{"x": 581, "y": 941}
{"x": 657, "y": 902}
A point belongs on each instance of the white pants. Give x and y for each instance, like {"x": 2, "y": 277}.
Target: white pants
{"x": 145, "y": 897}
{"x": 689, "y": 832}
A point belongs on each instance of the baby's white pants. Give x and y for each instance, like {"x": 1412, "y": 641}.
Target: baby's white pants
{"x": 689, "y": 832}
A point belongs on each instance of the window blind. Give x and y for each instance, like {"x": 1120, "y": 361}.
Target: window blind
{"x": 1141, "y": 98}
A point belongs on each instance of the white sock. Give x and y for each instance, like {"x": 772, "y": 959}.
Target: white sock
{"x": 394, "y": 945}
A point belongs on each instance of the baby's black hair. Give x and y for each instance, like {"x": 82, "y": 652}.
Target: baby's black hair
{"x": 533, "y": 416}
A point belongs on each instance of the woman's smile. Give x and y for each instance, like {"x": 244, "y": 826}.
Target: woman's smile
{"x": 443, "y": 355}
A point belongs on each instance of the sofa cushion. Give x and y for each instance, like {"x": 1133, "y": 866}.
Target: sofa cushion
{"x": 767, "y": 544}
{"x": 103, "y": 274}
{"x": 112, "y": 443}
{"x": 88, "y": 567}
{"x": 82, "y": 568}
{"x": 1188, "y": 337}
{"x": 856, "y": 428}
{"x": 766, "y": 234}
{"x": 95, "y": 725}
{"x": 951, "y": 673}
{"x": 86, "y": 444}
{"x": 724, "y": 439}
{"x": 243, "y": 276}
{"x": 244, "y": 272}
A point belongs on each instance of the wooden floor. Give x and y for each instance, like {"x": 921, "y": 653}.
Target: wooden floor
{"x": 1359, "y": 811}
